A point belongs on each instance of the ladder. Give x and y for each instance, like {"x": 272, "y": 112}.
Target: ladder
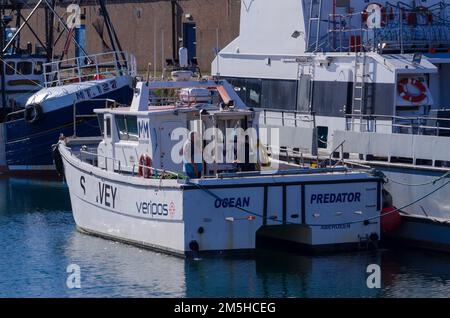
{"x": 359, "y": 83}
{"x": 359, "y": 87}
{"x": 362, "y": 92}
{"x": 315, "y": 14}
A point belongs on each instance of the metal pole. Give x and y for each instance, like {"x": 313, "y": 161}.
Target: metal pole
{"x": 5, "y": 48}
{"x": 217, "y": 51}
{"x": 154, "y": 49}
{"x": 174, "y": 29}
{"x": 2, "y": 64}
{"x": 401, "y": 30}
{"x": 162, "y": 53}
{"x": 318, "y": 25}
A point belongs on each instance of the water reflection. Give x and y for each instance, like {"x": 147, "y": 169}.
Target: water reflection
{"x": 38, "y": 241}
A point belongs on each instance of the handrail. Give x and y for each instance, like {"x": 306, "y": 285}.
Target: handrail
{"x": 160, "y": 171}
{"x": 12, "y": 114}
{"x": 341, "y": 145}
{"x": 105, "y": 157}
{"x": 417, "y": 124}
{"x": 298, "y": 116}
{"x": 75, "y": 116}
{"x": 397, "y": 34}
{"x": 78, "y": 70}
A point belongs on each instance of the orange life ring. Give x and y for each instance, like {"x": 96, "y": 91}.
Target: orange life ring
{"x": 365, "y": 14}
{"x": 402, "y": 88}
{"x": 145, "y": 166}
{"x": 98, "y": 77}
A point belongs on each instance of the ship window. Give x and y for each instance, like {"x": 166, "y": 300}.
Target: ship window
{"x": 132, "y": 128}
{"x": 121, "y": 127}
{"x": 108, "y": 127}
{"x": 101, "y": 122}
{"x": 24, "y": 68}
{"x": 10, "y": 68}
{"x": 279, "y": 94}
{"x": 38, "y": 68}
{"x": 127, "y": 127}
{"x": 253, "y": 92}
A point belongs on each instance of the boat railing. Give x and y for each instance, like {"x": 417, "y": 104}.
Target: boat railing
{"x": 18, "y": 114}
{"x": 156, "y": 101}
{"x": 90, "y": 67}
{"x": 287, "y": 117}
{"x": 417, "y": 125}
{"x": 403, "y": 28}
{"x": 340, "y": 147}
{"x": 109, "y": 103}
{"x": 158, "y": 173}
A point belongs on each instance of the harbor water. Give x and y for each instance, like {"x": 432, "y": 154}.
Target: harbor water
{"x": 39, "y": 241}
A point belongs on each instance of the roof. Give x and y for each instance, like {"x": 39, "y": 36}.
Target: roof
{"x": 403, "y": 63}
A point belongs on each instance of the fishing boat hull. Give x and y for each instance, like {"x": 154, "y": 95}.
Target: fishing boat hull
{"x": 187, "y": 217}
{"x": 28, "y": 145}
{"x": 3, "y": 166}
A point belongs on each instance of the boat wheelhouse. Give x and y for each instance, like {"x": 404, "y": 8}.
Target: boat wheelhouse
{"x": 185, "y": 174}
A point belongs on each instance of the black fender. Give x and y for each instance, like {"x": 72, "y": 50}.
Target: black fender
{"x": 57, "y": 160}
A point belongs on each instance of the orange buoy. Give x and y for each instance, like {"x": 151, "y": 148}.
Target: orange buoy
{"x": 390, "y": 220}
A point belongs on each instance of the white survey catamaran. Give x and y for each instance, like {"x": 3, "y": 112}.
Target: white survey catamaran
{"x": 369, "y": 78}
{"x": 174, "y": 172}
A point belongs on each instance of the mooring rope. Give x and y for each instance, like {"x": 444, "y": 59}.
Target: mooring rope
{"x": 380, "y": 174}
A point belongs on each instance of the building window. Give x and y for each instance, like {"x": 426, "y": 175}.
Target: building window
{"x": 138, "y": 12}
{"x": 24, "y": 68}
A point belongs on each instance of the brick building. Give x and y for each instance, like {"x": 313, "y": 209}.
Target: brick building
{"x": 152, "y": 29}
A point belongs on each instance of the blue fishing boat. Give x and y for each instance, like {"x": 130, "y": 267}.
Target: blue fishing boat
{"x": 73, "y": 88}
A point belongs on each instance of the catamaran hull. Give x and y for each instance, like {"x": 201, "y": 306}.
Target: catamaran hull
{"x": 215, "y": 216}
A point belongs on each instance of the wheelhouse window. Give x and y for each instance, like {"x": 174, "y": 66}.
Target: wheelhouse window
{"x": 132, "y": 128}
{"x": 10, "y": 68}
{"x": 101, "y": 123}
{"x": 108, "y": 127}
{"x": 120, "y": 123}
{"x": 279, "y": 94}
{"x": 24, "y": 68}
{"x": 38, "y": 68}
{"x": 266, "y": 93}
{"x": 127, "y": 127}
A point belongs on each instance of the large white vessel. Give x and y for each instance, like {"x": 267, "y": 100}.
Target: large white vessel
{"x": 369, "y": 79}
{"x": 145, "y": 181}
